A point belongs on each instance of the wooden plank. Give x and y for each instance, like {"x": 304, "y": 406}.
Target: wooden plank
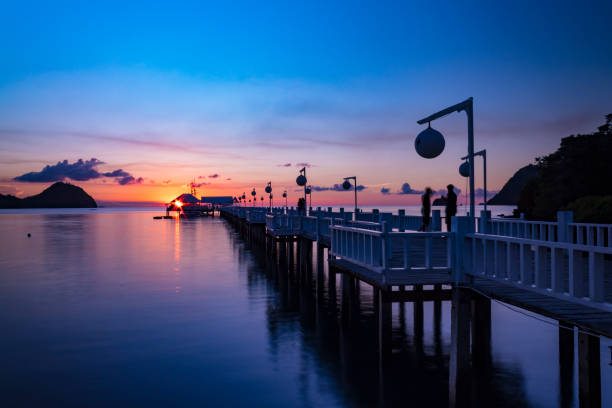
{"x": 583, "y": 316}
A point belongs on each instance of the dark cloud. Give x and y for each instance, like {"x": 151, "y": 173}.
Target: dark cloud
{"x": 214, "y": 175}
{"x": 129, "y": 180}
{"x": 229, "y": 179}
{"x": 198, "y": 185}
{"x": 304, "y": 164}
{"x": 201, "y": 177}
{"x": 406, "y": 189}
{"x": 335, "y": 187}
{"x": 81, "y": 170}
{"x": 284, "y": 165}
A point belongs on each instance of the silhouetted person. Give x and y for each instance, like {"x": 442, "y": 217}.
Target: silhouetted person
{"x": 426, "y": 209}
{"x": 301, "y": 206}
{"x": 451, "y": 206}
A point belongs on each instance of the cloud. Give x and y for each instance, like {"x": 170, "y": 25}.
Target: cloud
{"x": 304, "y": 164}
{"x": 201, "y": 177}
{"x": 214, "y": 175}
{"x": 385, "y": 190}
{"x": 335, "y": 187}
{"x": 406, "y": 189}
{"x": 166, "y": 181}
{"x": 229, "y": 179}
{"x": 129, "y": 180}
{"x": 198, "y": 185}
{"x": 80, "y": 170}
{"x": 284, "y": 165}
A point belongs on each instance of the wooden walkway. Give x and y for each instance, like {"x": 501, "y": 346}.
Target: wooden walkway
{"x": 393, "y": 279}
{"x": 587, "y": 318}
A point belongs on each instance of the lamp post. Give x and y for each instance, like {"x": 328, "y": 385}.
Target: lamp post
{"x": 269, "y": 191}
{"x": 301, "y": 181}
{"x": 309, "y": 192}
{"x": 244, "y": 198}
{"x": 254, "y": 194}
{"x": 347, "y": 184}
{"x": 285, "y": 197}
{"x": 468, "y": 107}
{"x": 482, "y": 153}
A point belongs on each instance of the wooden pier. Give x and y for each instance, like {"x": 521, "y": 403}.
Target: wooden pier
{"x": 559, "y": 270}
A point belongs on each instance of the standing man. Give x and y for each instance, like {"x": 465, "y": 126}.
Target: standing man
{"x": 451, "y": 206}
{"x": 426, "y": 209}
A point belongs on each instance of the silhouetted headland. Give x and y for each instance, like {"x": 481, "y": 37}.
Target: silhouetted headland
{"x": 510, "y": 193}
{"x": 59, "y": 195}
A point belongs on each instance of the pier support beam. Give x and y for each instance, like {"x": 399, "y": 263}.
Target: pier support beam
{"x": 481, "y": 331}
{"x": 459, "y": 366}
{"x": 589, "y": 371}
{"x": 383, "y": 310}
{"x": 566, "y": 365}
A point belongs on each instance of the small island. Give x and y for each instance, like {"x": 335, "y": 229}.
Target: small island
{"x": 59, "y": 195}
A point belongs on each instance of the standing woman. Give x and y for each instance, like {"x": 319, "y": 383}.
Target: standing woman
{"x": 426, "y": 209}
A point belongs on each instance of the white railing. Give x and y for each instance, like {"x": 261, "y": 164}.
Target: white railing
{"x": 563, "y": 230}
{"x": 392, "y": 252}
{"x": 359, "y": 246}
{"x": 562, "y": 269}
{"x": 283, "y": 224}
{"x": 256, "y": 216}
{"x": 519, "y": 228}
{"x": 590, "y": 234}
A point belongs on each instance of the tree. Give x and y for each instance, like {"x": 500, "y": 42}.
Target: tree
{"x": 582, "y": 166}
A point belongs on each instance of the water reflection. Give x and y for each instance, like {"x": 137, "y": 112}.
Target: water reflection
{"x": 379, "y": 352}
{"x": 92, "y": 316}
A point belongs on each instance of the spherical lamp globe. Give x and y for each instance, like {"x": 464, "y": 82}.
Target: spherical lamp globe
{"x": 346, "y": 185}
{"x": 464, "y": 169}
{"x": 429, "y": 143}
{"x": 301, "y": 180}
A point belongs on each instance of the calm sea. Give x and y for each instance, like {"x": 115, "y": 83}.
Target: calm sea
{"x": 110, "y": 307}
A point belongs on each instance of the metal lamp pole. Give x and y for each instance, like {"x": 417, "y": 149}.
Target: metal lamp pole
{"x": 355, "y": 179}
{"x": 468, "y": 107}
{"x": 303, "y": 171}
{"x": 482, "y": 153}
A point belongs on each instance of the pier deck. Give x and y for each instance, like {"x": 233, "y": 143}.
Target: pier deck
{"x": 585, "y": 317}
{"x": 540, "y": 267}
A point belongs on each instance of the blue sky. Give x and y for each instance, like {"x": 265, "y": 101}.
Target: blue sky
{"x": 239, "y": 88}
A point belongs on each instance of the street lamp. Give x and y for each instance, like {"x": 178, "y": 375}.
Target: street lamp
{"x": 253, "y": 193}
{"x": 428, "y": 136}
{"x": 464, "y": 170}
{"x": 347, "y": 184}
{"x": 309, "y": 192}
{"x": 301, "y": 181}
{"x": 285, "y": 197}
{"x": 269, "y": 191}
{"x": 271, "y": 197}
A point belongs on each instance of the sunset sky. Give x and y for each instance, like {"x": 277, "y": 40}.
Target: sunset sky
{"x": 236, "y": 94}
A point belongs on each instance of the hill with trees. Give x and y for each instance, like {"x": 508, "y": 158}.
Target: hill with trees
{"x": 577, "y": 176}
{"x": 59, "y": 195}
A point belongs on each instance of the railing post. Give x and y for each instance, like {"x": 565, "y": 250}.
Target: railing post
{"x": 460, "y": 227}
{"x": 402, "y": 220}
{"x": 564, "y": 218}
{"x": 484, "y": 222}
{"x": 436, "y": 221}
{"x": 386, "y": 249}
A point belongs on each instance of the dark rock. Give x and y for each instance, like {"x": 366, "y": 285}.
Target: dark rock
{"x": 59, "y": 195}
